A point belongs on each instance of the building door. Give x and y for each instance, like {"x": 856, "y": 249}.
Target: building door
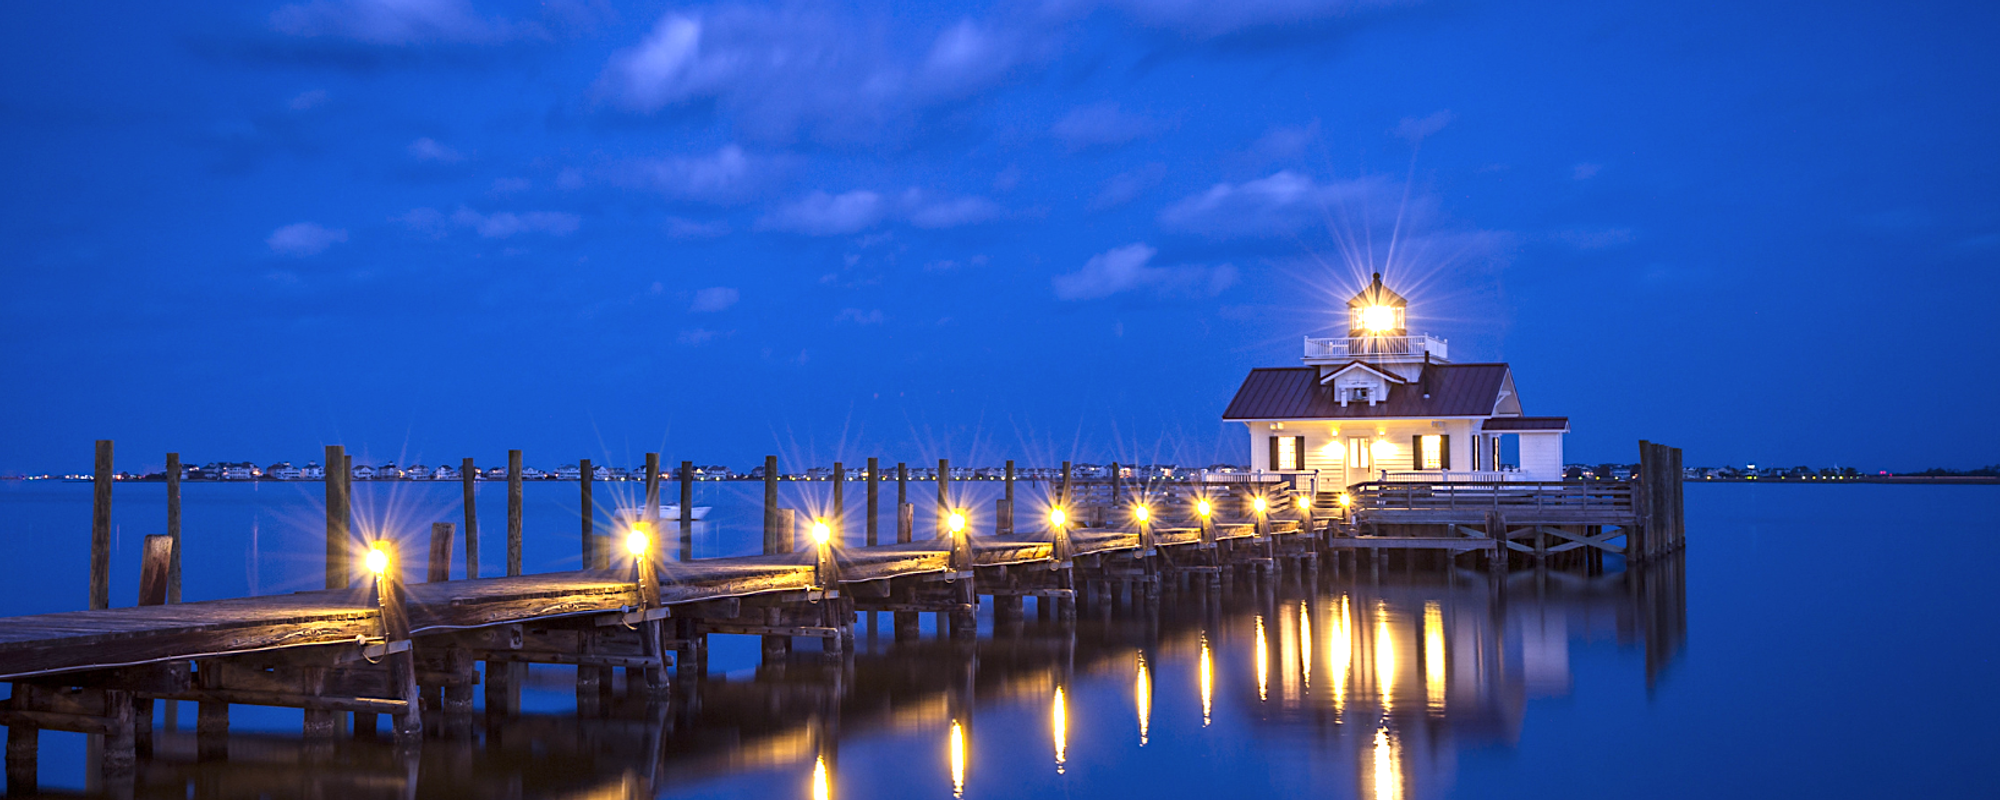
{"x": 1359, "y": 466}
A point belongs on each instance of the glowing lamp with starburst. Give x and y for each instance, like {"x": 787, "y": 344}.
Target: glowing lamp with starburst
{"x": 1377, "y": 311}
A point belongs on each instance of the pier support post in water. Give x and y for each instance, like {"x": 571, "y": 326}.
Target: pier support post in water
{"x": 839, "y": 521}
{"x": 513, "y": 513}
{"x": 652, "y": 511}
{"x": 944, "y": 496}
{"x": 336, "y": 517}
{"x": 100, "y": 529}
{"x": 590, "y": 556}
{"x": 438, "y": 570}
{"x": 174, "y": 526}
{"x": 396, "y": 629}
{"x": 874, "y": 489}
{"x": 468, "y": 474}
{"x": 906, "y": 514}
{"x": 1003, "y": 518}
{"x": 23, "y": 747}
{"x": 687, "y": 510}
{"x": 771, "y": 505}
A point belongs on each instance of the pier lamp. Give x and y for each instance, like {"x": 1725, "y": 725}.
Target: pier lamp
{"x": 1057, "y": 517}
{"x": 1203, "y": 508}
{"x": 378, "y": 558}
{"x": 1305, "y": 503}
{"x": 1259, "y": 504}
{"x": 639, "y": 540}
{"x": 821, "y": 533}
{"x": 1142, "y": 513}
{"x": 1346, "y": 500}
{"x": 955, "y": 522}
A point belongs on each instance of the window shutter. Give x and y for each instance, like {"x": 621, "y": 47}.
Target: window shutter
{"x": 1299, "y": 452}
{"x": 1444, "y": 450}
{"x": 1416, "y": 452}
{"x": 1272, "y": 465}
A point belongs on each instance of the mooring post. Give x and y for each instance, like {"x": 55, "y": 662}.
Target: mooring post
{"x": 401, "y": 659}
{"x": 23, "y": 745}
{"x": 1065, "y": 494}
{"x": 100, "y": 529}
{"x": 513, "y": 513}
{"x": 174, "y": 526}
{"x": 652, "y": 493}
{"x": 336, "y": 517}
{"x": 770, "y": 504}
{"x": 687, "y": 510}
{"x": 589, "y": 557}
{"x": 155, "y": 577}
{"x": 777, "y": 539}
{"x": 1117, "y": 486}
{"x": 839, "y": 521}
{"x": 906, "y": 514}
{"x": 439, "y": 568}
{"x": 944, "y": 496}
{"x": 468, "y": 475}
{"x": 1003, "y": 516}
{"x": 872, "y": 496}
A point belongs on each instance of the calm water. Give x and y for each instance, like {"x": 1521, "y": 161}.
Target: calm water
{"x": 1832, "y": 641}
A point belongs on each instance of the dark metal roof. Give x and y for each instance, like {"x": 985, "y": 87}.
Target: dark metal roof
{"x": 1456, "y": 390}
{"x": 1527, "y": 424}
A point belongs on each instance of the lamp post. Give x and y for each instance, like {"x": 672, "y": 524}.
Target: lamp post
{"x": 823, "y": 566}
{"x": 381, "y": 562}
{"x": 1059, "y": 537}
{"x": 1204, "y": 512}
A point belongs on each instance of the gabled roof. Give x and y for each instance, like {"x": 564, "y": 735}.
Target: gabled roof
{"x": 1456, "y": 390}
{"x": 1362, "y": 365}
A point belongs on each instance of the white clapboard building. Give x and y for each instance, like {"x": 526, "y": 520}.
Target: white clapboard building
{"x": 1381, "y": 404}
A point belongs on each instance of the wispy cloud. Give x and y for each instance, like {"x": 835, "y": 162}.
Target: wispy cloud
{"x": 1127, "y": 186}
{"x": 1128, "y": 268}
{"x": 498, "y": 225}
{"x": 714, "y": 298}
{"x": 428, "y": 149}
{"x": 728, "y": 175}
{"x": 395, "y": 22}
{"x": 824, "y": 214}
{"x": 301, "y": 239}
{"x": 1283, "y": 203}
{"x": 1102, "y": 126}
{"x": 1204, "y": 19}
{"x": 1417, "y": 129}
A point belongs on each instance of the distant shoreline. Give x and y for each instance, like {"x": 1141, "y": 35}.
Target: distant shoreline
{"x": 1909, "y": 480}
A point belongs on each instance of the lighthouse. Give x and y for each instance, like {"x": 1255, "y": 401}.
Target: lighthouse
{"x": 1381, "y": 404}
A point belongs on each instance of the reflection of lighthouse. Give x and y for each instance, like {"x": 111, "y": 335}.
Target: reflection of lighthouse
{"x": 1399, "y": 674}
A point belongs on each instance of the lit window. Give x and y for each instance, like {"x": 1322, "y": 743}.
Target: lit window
{"x": 1288, "y": 453}
{"x": 1357, "y": 453}
{"x": 1433, "y": 454}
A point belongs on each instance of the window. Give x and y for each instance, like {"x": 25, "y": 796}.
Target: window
{"x": 1357, "y": 453}
{"x": 1358, "y": 394}
{"x": 1433, "y": 451}
{"x": 1288, "y": 453}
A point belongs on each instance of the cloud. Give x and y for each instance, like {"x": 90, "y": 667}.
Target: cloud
{"x": 1100, "y": 126}
{"x": 1127, "y": 268}
{"x": 714, "y": 298}
{"x": 301, "y": 239}
{"x": 395, "y": 22}
{"x": 428, "y": 149}
{"x": 1585, "y": 171}
{"x": 804, "y": 70}
{"x": 681, "y": 228}
{"x": 506, "y": 223}
{"x": 1127, "y": 186}
{"x": 306, "y": 100}
{"x": 1284, "y": 142}
{"x": 859, "y": 317}
{"x": 928, "y": 211}
{"x": 1417, "y": 129}
{"x": 822, "y": 214}
{"x": 1283, "y": 203}
{"x": 729, "y": 175}
{"x": 1206, "y": 19}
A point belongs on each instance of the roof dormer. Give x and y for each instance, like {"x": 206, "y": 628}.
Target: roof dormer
{"x": 1360, "y": 383}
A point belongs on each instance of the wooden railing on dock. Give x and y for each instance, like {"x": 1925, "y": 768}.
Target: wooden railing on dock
{"x": 1594, "y": 502}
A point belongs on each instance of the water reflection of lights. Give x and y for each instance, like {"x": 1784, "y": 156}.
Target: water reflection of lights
{"x": 1434, "y": 655}
{"x": 1340, "y": 652}
{"x": 1263, "y": 663}
{"x": 1207, "y": 682}
{"x": 1388, "y": 770}
{"x": 1059, "y": 721}
{"x": 1385, "y": 655}
{"x": 1305, "y": 645}
{"x": 822, "y": 787}
{"x": 1142, "y": 694}
{"x": 957, "y": 759}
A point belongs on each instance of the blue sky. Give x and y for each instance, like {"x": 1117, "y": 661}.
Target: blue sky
{"x": 436, "y": 228}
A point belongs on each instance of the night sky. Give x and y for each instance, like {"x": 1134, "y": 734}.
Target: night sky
{"x": 429, "y": 229}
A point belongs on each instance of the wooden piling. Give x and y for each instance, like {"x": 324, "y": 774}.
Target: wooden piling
{"x": 687, "y": 511}
{"x": 337, "y": 516}
{"x": 589, "y": 556}
{"x": 409, "y": 725}
{"x": 100, "y": 529}
{"x": 23, "y": 746}
{"x": 1117, "y": 485}
{"x": 771, "y": 504}
{"x": 439, "y": 568}
{"x": 906, "y": 514}
{"x": 174, "y": 526}
{"x": 944, "y": 496}
{"x": 155, "y": 569}
{"x": 839, "y": 521}
{"x": 513, "y": 513}
{"x": 874, "y": 487}
{"x": 1065, "y": 495}
{"x": 468, "y": 474}
{"x": 1003, "y": 522}
{"x": 652, "y": 489}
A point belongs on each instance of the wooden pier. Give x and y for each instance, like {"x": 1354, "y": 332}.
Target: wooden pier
{"x": 412, "y": 651}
